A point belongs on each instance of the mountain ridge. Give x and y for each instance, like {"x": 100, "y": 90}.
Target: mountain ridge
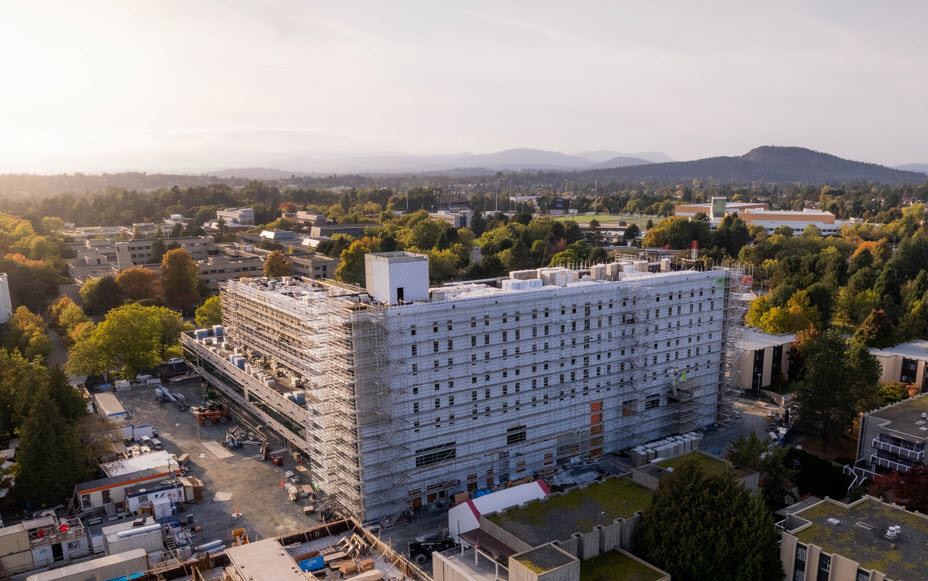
{"x": 765, "y": 163}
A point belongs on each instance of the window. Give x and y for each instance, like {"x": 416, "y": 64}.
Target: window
{"x": 515, "y": 435}
{"x": 435, "y": 454}
{"x": 415, "y": 407}
{"x": 652, "y": 402}
{"x": 450, "y": 345}
{"x": 414, "y": 350}
{"x": 434, "y": 346}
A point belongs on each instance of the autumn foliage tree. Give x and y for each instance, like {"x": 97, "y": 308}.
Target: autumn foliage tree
{"x": 277, "y": 265}
{"x": 139, "y": 284}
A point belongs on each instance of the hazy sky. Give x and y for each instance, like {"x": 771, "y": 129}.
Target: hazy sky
{"x": 211, "y": 84}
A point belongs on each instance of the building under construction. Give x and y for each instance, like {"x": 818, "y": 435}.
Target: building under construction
{"x": 401, "y": 395}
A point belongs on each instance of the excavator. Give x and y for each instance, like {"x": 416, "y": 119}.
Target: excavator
{"x": 211, "y": 413}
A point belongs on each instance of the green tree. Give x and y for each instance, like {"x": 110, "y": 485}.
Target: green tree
{"x": 351, "y": 268}
{"x": 179, "y": 279}
{"x": 631, "y": 232}
{"x": 760, "y": 454}
{"x": 130, "y": 339}
{"x": 836, "y": 380}
{"x": 177, "y": 230}
{"x": 18, "y": 381}
{"x": 158, "y": 249}
{"x": 136, "y": 233}
{"x": 732, "y": 234}
{"x": 707, "y": 527}
{"x": 99, "y": 295}
{"x": 50, "y": 461}
{"x": 210, "y": 313}
{"x": 876, "y": 331}
{"x": 277, "y": 265}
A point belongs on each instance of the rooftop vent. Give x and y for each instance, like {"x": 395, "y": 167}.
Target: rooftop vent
{"x": 833, "y": 521}
{"x": 893, "y": 532}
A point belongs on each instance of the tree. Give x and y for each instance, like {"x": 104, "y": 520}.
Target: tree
{"x": 732, "y": 234}
{"x": 28, "y": 334}
{"x": 876, "y": 331}
{"x": 179, "y": 279}
{"x": 835, "y": 381}
{"x": 136, "y": 233}
{"x": 210, "y": 313}
{"x": 593, "y": 233}
{"x": 351, "y": 269}
{"x": 157, "y": 251}
{"x": 139, "y": 284}
{"x": 631, "y": 232}
{"x": 277, "y": 265}
{"x": 101, "y": 294}
{"x": 177, "y": 230}
{"x": 171, "y": 326}
{"x": 784, "y": 231}
{"x": 18, "y": 380}
{"x": 707, "y": 527}
{"x": 50, "y": 462}
{"x": 760, "y": 454}
{"x": 130, "y": 339}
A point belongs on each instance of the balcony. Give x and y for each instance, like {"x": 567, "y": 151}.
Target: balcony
{"x": 915, "y": 455}
{"x": 896, "y": 466}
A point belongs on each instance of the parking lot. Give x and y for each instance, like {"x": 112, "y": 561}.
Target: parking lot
{"x": 233, "y": 479}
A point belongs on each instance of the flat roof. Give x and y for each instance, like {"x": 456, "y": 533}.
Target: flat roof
{"x": 912, "y": 350}
{"x": 860, "y": 532}
{"x": 544, "y": 558}
{"x": 152, "y": 460}
{"x": 905, "y": 416}
{"x": 265, "y": 561}
{"x": 91, "y": 566}
{"x": 617, "y": 566}
{"x": 752, "y": 339}
{"x": 709, "y": 464}
{"x": 557, "y": 517}
{"x": 110, "y": 481}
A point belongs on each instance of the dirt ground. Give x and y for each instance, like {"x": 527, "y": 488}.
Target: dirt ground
{"x": 234, "y": 479}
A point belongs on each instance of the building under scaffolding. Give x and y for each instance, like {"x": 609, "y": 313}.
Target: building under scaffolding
{"x": 402, "y": 395}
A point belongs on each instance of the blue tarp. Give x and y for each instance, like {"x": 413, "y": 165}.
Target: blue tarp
{"x": 313, "y": 564}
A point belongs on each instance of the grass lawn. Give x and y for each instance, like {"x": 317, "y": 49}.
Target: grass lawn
{"x": 610, "y": 219}
{"x": 174, "y": 351}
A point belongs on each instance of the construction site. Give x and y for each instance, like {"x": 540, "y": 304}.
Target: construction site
{"x": 400, "y": 396}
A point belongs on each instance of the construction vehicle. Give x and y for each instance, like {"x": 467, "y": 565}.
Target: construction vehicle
{"x": 421, "y": 552}
{"x": 212, "y": 413}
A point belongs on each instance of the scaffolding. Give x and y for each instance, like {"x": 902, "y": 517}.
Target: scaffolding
{"x": 738, "y": 284}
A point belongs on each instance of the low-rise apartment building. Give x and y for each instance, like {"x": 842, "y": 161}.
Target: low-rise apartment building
{"x": 315, "y": 266}
{"x": 764, "y": 359}
{"x": 907, "y": 363}
{"x": 867, "y": 540}
{"x": 892, "y": 438}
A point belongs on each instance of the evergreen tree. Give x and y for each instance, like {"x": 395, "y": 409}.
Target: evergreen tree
{"x": 101, "y": 294}
{"x": 158, "y": 249}
{"x": 707, "y": 527}
{"x": 49, "y": 459}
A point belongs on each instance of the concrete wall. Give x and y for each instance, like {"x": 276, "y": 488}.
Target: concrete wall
{"x": 568, "y": 572}
{"x": 386, "y": 274}
{"x": 445, "y": 570}
{"x": 503, "y": 535}
{"x": 571, "y": 545}
{"x": 102, "y": 569}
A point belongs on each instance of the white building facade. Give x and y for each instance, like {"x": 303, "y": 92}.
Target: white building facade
{"x": 467, "y": 386}
{"x": 6, "y": 303}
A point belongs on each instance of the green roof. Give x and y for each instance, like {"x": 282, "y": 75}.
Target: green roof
{"x": 859, "y": 535}
{"x": 709, "y": 464}
{"x": 558, "y": 517}
{"x": 616, "y": 566}
{"x": 543, "y": 559}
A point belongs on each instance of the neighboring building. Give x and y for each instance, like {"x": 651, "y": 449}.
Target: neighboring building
{"x": 907, "y": 363}
{"x": 315, "y": 266}
{"x": 145, "y": 534}
{"x": 892, "y": 438}
{"x": 568, "y": 536}
{"x": 262, "y": 560}
{"x": 129, "y": 565}
{"x": 88, "y": 232}
{"x": 229, "y": 265}
{"x": 763, "y": 359}
{"x": 144, "y": 228}
{"x": 278, "y": 235}
{"x": 138, "y": 252}
{"x": 90, "y": 263}
{"x": 96, "y": 495}
{"x": 40, "y": 542}
{"x": 717, "y": 209}
{"x": 237, "y": 216}
{"x": 460, "y": 219}
{"x": 6, "y": 303}
{"x": 327, "y": 231}
{"x": 311, "y": 219}
{"x": 760, "y": 214}
{"x": 432, "y": 392}
{"x": 834, "y": 541}
{"x": 770, "y": 220}
{"x": 465, "y": 516}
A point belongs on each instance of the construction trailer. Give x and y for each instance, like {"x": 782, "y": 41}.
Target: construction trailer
{"x": 414, "y": 394}
{"x": 109, "y": 407}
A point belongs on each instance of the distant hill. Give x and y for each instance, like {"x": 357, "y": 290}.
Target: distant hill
{"x": 916, "y": 167}
{"x": 621, "y": 161}
{"x": 766, "y": 163}
{"x": 255, "y": 173}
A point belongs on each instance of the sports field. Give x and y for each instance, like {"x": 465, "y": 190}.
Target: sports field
{"x": 611, "y": 219}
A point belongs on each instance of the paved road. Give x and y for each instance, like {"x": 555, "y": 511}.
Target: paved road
{"x": 716, "y": 440}
{"x": 59, "y": 354}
